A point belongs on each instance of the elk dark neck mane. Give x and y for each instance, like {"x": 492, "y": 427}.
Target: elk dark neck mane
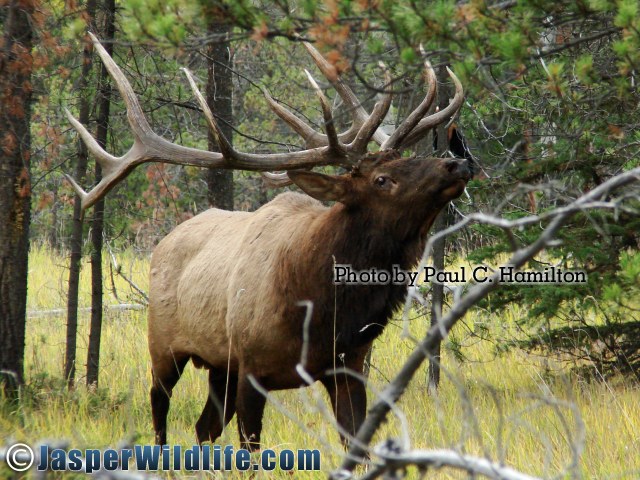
{"x": 360, "y": 237}
{"x": 356, "y": 237}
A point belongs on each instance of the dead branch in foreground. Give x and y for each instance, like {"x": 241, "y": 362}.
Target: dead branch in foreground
{"x": 395, "y": 461}
{"x": 424, "y": 349}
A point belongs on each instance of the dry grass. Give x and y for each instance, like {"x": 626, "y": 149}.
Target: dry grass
{"x": 512, "y": 408}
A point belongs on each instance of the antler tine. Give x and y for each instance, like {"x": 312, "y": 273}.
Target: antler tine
{"x": 370, "y": 126}
{"x": 310, "y": 136}
{"x": 225, "y": 147}
{"x": 79, "y": 190}
{"x": 136, "y": 117}
{"x": 329, "y": 124}
{"x": 358, "y": 113}
{"x": 107, "y": 161}
{"x": 437, "y": 118}
{"x": 276, "y": 180}
{"x": 405, "y": 128}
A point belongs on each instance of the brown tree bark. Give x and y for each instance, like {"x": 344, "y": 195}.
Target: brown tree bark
{"x": 54, "y": 241}
{"x": 97, "y": 224}
{"x": 77, "y": 226}
{"x": 219, "y": 97}
{"x": 16, "y": 64}
{"x": 437, "y": 297}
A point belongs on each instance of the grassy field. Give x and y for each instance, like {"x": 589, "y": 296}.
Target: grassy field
{"x": 514, "y": 408}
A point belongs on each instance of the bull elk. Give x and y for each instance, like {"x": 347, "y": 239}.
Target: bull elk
{"x": 226, "y": 287}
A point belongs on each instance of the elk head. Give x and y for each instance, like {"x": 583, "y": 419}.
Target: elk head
{"x": 385, "y": 178}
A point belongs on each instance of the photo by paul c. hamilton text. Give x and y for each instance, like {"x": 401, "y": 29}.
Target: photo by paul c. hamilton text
{"x": 344, "y": 274}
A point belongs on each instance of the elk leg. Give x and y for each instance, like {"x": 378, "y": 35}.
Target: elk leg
{"x": 250, "y": 408}
{"x": 165, "y": 378}
{"x": 349, "y": 402}
{"x": 221, "y": 402}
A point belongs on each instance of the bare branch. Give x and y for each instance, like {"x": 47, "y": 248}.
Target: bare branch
{"x": 437, "y": 333}
{"x": 439, "y": 459}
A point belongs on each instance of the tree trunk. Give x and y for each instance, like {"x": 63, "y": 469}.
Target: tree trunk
{"x": 437, "y": 291}
{"x": 219, "y": 97}
{"x": 97, "y": 225}
{"x": 77, "y": 226}
{"x": 16, "y": 65}
{"x": 54, "y": 241}
{"x": 437, "y": 297}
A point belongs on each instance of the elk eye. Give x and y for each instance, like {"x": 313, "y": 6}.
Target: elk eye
{"x": 381, "y": 181}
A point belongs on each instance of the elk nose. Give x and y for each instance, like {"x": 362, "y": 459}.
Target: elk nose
{"x": 459, "y": 167}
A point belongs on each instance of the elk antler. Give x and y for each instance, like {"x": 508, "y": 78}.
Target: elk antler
{"x": 359, "y": 115}
{"x": 426, "y": 124}
{"x": 410, "y": 131}
{"x": 330, "y": 148}
{"x": 150, "y": 147}
{"x": 276, "y": 180}
{"x": 367, "y": 125}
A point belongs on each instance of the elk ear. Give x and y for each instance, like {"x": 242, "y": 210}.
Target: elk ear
{"x": 320, "y": 186}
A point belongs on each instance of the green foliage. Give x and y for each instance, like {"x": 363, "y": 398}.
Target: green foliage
{"x": 627, "y": 16}
{"x": 584, "y": 69}
{"x": 408, "y": 55}
{"x": 603, "y": 325}
{"x": 510, "y": 45}
{"x": 75, "y": 29}
{"x": 161, "y": 20}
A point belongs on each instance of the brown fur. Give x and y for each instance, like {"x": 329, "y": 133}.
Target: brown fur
{"x": 225, "y": 288}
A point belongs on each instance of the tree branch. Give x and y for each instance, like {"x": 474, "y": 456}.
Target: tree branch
{"x": 441, "y": 458}
{"x": 393, "y": 392}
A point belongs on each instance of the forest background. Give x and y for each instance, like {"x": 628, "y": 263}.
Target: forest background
{"x": 551, "y": 111}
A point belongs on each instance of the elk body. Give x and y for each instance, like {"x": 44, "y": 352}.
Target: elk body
{"x": 226, "y": 287}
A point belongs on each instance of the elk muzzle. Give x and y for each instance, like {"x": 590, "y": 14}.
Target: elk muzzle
{"x": 459, "y": 172}
{"x": 458, "y": 167}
